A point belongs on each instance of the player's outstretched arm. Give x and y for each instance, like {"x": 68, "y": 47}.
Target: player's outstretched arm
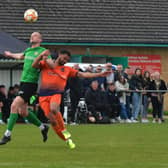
{"x": 44, "y": 55}
{"x": 14, "y": 55}
{"x": 92, "y": 75}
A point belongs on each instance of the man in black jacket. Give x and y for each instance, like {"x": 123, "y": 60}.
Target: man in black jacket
{"x": 76, "y": 92}
{"x": 113, "y": 102}
{"x": 96, "y": 102}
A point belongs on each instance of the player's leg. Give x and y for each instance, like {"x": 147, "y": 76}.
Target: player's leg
{"x": 27, "y": 90}
{"x": 56, "y": 121}
{"x": 30, "y": 110}
{"x": 32, "y": 118}
{"x": 59, "y": 126}
{"x": 45, "y": 105}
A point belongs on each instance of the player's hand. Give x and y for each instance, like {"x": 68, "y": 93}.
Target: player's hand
{"x": 7, "y": 53}
{"x": 105, "y": 73}
{"x": 45, "y": 54}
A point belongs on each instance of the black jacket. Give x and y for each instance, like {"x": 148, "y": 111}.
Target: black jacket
{"x": 161, "y": 87}
{"x": 95, "y": 97}
{"x": 76, "y": 86}
{"x": 112, "y": 97}
{"x": 136, "y": 82}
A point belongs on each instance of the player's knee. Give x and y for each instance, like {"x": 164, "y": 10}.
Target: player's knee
{"x": 54, "y": 111}
{"x": 23, "y": 114}
{"x": 14, "y": 106}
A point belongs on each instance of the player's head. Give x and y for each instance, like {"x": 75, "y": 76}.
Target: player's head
{"x": 63, "y": 57}
{"x": 35, "y": 38}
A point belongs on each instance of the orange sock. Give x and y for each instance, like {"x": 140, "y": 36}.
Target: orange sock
{"x": 58, "y": 132}
{"x": 59, "y": 127}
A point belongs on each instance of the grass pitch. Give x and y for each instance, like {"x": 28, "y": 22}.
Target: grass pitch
{"x": 97, "y": 146}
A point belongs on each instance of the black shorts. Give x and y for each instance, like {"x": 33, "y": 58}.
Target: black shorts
{"x": 27, "y": 90}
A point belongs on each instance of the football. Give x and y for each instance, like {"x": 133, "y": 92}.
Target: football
{"x": 30, "y": 15}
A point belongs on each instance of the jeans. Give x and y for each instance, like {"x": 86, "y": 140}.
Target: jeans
{"x": 123, "y": 113}
{"x": 136, "y": 105}
{"x": 128, "y": 102}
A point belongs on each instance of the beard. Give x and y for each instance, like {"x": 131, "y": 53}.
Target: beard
{"x": 61, "y": 63}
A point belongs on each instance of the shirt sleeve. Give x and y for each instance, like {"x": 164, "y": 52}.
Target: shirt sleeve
{"x": 73, "y": 72}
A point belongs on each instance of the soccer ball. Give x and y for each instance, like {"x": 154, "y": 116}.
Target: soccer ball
{"x": 30, "y": 15}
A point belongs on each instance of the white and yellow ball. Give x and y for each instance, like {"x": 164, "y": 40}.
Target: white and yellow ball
{"x": 30, "y": 15}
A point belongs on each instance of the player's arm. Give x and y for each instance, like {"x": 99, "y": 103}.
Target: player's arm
{"x": 92, "y": 75}
{"x": 14, "y": 55}
{"x": 43, "y": 56}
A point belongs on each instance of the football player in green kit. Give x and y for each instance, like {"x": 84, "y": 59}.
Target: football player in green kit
{"x": 28, "y": 87}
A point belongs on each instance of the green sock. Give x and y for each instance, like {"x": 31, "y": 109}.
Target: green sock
{"x": 0, "y": 115}
{"x": 33, "y": 111}
{"x": 33, "y": 119}
{"x": 12, "y": 120}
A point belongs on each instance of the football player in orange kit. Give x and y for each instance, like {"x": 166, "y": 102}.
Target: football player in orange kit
{"x": 54, "y": 76}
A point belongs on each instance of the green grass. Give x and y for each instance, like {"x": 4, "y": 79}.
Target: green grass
{"x": 98, "y": 146}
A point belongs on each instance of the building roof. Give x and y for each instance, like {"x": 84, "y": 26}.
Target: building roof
{"x": 10, "y": 43}
{"x": 89, "y": 21}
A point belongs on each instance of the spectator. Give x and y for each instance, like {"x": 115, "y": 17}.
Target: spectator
{"x": 101, "y": 80}
{"x": 16, "y": 89}
{"x": 127, "y": 76}
{"x": 87, "y": 81}
{"x": 95, "y": 100}
{"x": 152, "y": 76}
{"x": 122, "y": 86}
{"x": 145, "y": 98}
{"x": 76, "y": 92}
{"x": 157, "y": 97}
{"x": 90, "y": 68}
{"x": 109, "y": 78}
{"x": 113, "y": 103}
{"x": 127, "y": 73}
{"x": 119, "y": 72}
{"x": 1, "y": 105}
{"x": 136, "y": 84}
{"x": 11, "y": 95}
{"x": 5, "y": 108}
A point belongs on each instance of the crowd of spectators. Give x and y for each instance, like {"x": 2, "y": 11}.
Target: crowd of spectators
{"x": 121, "y": 97}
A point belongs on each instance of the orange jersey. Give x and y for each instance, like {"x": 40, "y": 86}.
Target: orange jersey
{"x": 53, "y": 80}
